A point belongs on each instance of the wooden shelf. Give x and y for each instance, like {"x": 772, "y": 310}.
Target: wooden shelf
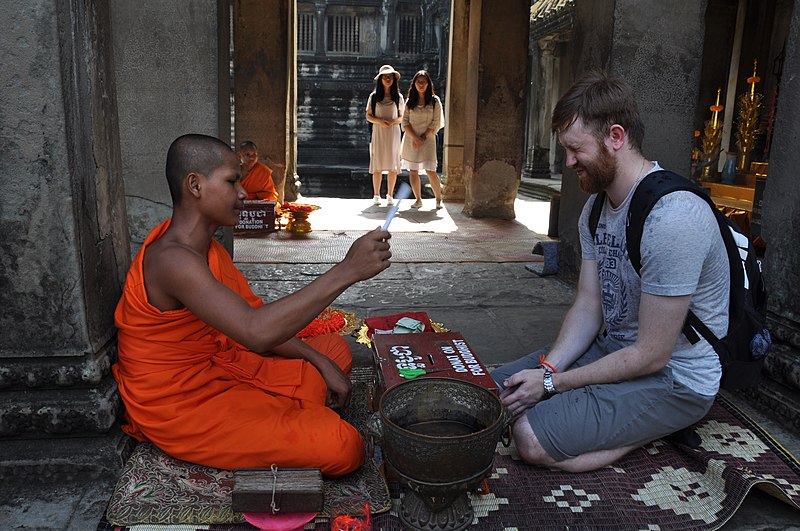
{"x": 738, "y": 204}
{"x": 731, "y": 196}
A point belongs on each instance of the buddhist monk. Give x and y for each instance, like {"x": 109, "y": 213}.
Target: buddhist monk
{"x": 257, "y": 180}
{"x": 207, "y": 371}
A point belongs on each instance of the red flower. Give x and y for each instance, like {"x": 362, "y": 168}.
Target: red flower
{"x": 330, "y": 321}
{"x": 298, "y": 207}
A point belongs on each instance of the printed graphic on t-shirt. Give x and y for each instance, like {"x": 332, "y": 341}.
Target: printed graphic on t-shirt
{"x": 611, "y": 256}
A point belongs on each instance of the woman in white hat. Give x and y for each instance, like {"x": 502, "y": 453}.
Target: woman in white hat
{"x": 385, "y": 113}
{"x": 421, "y": 121}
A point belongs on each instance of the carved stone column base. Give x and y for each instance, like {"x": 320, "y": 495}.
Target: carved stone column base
{"x": 777, "y": 401}
{"x": 783, "y": 365}
{"x": 778, "y": 394}
{"x": 57, "y": 412}
{"x": 489, "y": 210}
{"x": 64, "y": 460}
{"x": 785, "y": 327}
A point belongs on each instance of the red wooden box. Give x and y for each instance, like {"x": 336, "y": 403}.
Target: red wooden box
{"x": 446, "y": 353}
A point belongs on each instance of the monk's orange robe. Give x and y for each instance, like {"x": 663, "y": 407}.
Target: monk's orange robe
{"x": 202, "y": 397}
{"x": 258, "y": 183}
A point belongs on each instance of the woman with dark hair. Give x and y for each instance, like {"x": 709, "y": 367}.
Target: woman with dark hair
{"x": 423, "y": 118}
{"x": 384, "y": 113}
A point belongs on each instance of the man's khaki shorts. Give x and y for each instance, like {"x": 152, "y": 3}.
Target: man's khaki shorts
{"x": 608, "y": 416}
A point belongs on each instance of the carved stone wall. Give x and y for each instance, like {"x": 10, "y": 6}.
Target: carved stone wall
{"x": 781, "y": 210}
{"x": 65, "y": 236}
{"x": 781, "y": 230}
{"x": 166, "y": 57}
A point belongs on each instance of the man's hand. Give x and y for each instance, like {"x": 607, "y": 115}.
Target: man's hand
{"x": 369, "y": 255}
{"x": 522, "y": 390}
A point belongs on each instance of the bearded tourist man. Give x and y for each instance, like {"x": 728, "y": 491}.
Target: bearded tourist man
{"x": 207, "y": 371}
{"x": 620, "y": 373}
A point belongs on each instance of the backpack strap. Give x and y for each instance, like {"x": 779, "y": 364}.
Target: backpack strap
{"x": 693, "y": 325}
{"x": 652, "y": 188}
{"x": 594, "y": 215}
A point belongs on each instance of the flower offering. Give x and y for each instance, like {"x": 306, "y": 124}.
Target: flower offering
{"x": 298, "y": 207}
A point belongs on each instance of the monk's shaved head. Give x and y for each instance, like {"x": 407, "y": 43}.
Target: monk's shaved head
{"x": 193, "y": 154}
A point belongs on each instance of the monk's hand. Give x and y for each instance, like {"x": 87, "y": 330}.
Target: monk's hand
{"x": 339, "y": 386}
{"x": 522, "y": 390}
{"x": 369, "y": 255}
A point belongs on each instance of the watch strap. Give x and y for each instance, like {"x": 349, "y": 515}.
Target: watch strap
{"x": 547, "y": 382}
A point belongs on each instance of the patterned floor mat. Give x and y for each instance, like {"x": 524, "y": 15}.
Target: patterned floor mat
{"x": 661, "y": 486}
{"x": 155, "y": 488}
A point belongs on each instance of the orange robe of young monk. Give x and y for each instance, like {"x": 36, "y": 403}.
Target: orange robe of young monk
{"x": 258, "y": 183}
{"x": 202, "y": 397}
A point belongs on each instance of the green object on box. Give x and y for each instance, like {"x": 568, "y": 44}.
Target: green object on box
{"x": 407, "y": 325}
{"x": 410, "y": 374}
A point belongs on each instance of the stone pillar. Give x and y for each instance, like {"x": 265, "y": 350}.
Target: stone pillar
{"x": 264, "y": 67}
{"x": 781, "y": 209}
{"x": 455, "y": 102}
{"x": 290, "y": 110}
{"x": 440, "y": 20}
{"x": 167, "y": 59}
{"x": 495, "y": 128}
{"x": 661, "y": 61}
{"x": 65, "y": 240}
{"x": 781, "y": 231}
{"x": 388, "y": 25}
{"x": 533, "y": 104}
{"x": 320, "y": 8}
{"x": 549, "y": 69}
{"x": 540, "y": 106}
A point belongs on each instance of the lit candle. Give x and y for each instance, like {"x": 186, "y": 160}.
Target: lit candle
{"x": 753, "y": 80}
{"x": 716, "y": 108}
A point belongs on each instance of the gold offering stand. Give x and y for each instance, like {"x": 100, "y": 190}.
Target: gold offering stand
{"x": 712, "y": 136}
{"x": 296, "y": 215}
{"x": 749, "y": 108}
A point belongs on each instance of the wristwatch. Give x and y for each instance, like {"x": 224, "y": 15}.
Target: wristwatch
{"x": 549, "y": 388}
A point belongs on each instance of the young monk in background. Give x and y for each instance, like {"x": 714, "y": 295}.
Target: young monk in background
{"x": 207, "y": 371}
{"x": 257, "y": 176}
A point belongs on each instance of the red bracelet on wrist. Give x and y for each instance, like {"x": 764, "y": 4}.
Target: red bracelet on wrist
{"x": 544, "y": 363}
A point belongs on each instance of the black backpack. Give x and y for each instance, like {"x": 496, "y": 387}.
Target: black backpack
{"x": 742, "y": 350}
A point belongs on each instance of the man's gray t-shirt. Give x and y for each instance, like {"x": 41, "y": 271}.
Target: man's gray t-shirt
{"x": 682, "y": 254}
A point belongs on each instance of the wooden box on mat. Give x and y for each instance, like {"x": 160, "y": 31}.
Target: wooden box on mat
{"x": 257, "y": 216}
{"x": 443, "y": 354}
{"x": 297, "y": 490}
